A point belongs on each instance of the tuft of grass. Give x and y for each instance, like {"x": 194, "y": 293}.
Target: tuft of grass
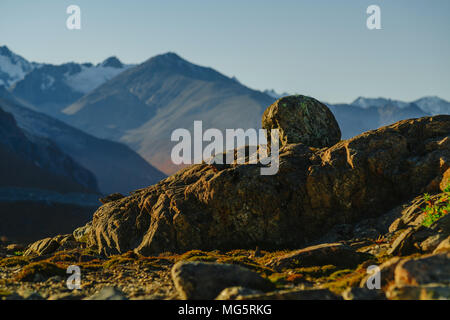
{"x": 316, "y": 272}
{"x": 436, "y": 209}
{"x": 44, "y": 268}
{"x": 117, "y": 261}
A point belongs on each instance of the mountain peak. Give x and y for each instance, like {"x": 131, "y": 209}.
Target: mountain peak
{"x": 4, "y": 51}
{"x": 113, "y": 62}
{"x": 168, "y": 58}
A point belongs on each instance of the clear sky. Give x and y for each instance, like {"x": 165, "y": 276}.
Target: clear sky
{"x": 320, "y": 48}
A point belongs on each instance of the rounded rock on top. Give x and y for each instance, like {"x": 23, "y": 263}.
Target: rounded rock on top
{"x": 302, "y": 119}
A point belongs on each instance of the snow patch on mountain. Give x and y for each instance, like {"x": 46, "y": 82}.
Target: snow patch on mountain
{"x": 90, "y": 78}
{"x": 13, "y": 67}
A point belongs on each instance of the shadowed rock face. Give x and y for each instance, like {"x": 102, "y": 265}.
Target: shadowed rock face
{"x": 302, "y": 119}
{"x": 233, "y": 206}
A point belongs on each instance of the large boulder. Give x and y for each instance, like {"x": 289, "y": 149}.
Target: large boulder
{"x": 200, "y": 280}
{"x": 336, "y": 254}
{"x": 434, "y": 268}
{"x": 302, "y": 119}
{"x": 232, "y": 206}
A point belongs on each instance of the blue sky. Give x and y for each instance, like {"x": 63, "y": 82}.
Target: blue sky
{"x": 320, "y": 48}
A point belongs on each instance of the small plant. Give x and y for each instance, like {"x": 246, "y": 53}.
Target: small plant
{"x": 436, "y": 209}
{"x": 380, "y": 240}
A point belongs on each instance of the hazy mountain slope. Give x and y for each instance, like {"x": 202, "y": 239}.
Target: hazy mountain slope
{"x": 143, "y": 105}
{"x": 116, "y": 167}
{"x": 51, "y": 88}
{"x": 354, "y": 120}
{"x": 32, "y": 162}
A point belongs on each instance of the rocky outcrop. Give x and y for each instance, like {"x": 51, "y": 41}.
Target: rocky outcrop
{"x": 425, "y": 277}
{"x": 424, "y": 270}
{"x": 50, "y": 245}
{"x": 302, "y": 119}
{"x": 233, "y": 206}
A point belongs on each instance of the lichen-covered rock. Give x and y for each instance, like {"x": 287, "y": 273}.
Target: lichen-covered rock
{"x": 423, "y": 292}
{"x": 434, "y": 268}
{"x": 233, "y": 206}
{"x": 41, "y": 247}
{"x": 108, "y": 293}
{"x": 51, "y": 245}
{"x": 356, "y": 293}
{"x": 200, "y": 280}
{"x": 294, "y": 294}
{"x": 387, "y": 272}
{"x": 81, "y": 233}
{"x": 444, "y": 246}
{"x": 234, "y": 293}
{"x": 302, "y": 119}
{"x": 421, "y": 239}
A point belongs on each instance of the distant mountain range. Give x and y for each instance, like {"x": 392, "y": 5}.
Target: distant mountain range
{"x": 116, "y": 167}
{"x": 141, "y": 105}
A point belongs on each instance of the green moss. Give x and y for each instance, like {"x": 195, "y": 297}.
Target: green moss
{"x": 248, "y": 263}
{"x": 202, "y": 259}
{"x": 93, "y": 265}
{"x": 62, "y": 256}
{"x": 344, "y": 281}
{"x": 317, "y": 272}
{"x": 339, "y": 274}
{"x": 278, "y": 279}
{"x": 5, "y": 293}
{"x": 198, "y": 255}
{"x": 46, "y": 269}
{"x": 14, "y": 261}
{"x": 117, "y": 261}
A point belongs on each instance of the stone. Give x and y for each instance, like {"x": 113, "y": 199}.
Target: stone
{"x": 423, "y": 292}
{"x": 67, "y": 296}
{"x": 434, "y": 268}
{"x": 294, "y": 294}
{"x": 51, "y": 245}
{"x": 14, "y": 247}
{"x": 108, "y": 293}
{"x": 42, "y": 247}
{"x": 336, "y": 254}
{"x": 201, "y": 280}
{"x": 354, "y": 293}
{"x": 302, "y": 119}
{"x": 234, "y": 293}
{"x": 82, "y": 232}
{"x": 387, "y": 272}
{"x": 29, "y": 294}
{"x": 314, "y": 190}
{"x": 444, "y": 246}
{"x": 408, "y": 242}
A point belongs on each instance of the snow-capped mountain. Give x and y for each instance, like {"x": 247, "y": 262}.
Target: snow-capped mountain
{"x": 275, "y": 94}
{"x": 377, "y": 102}
{"x": 429, "y": 105}
{"x": 13, "y": 67}
{"x": 433, "y": 105}
{"x": 50, "y": 88}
